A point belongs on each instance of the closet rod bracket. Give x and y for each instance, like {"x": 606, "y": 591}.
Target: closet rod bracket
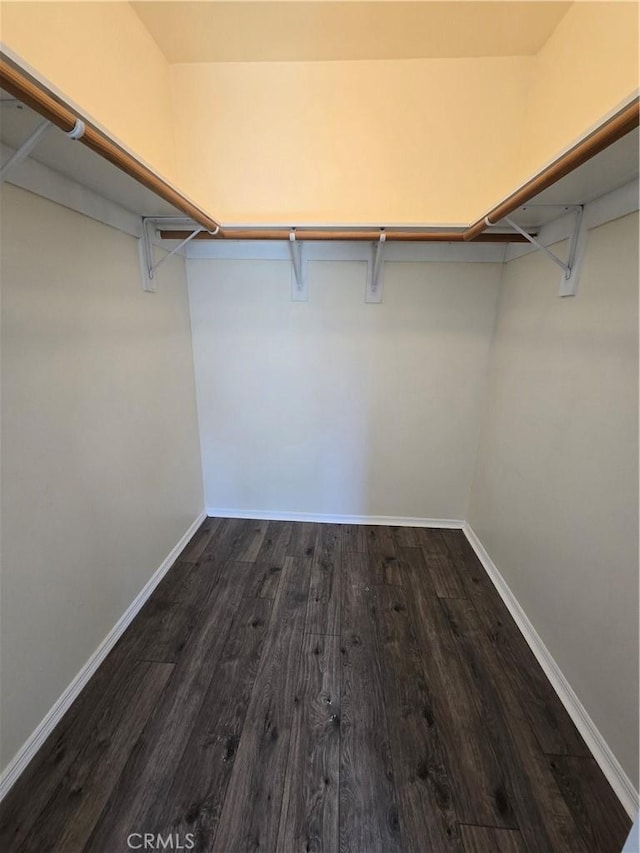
{"x": 149, "y": 265}
{"x": 570, "y": 268}
{"x": 25, "y": 149}
{"x": 20, "y": 154}
{"x": 569, "y": 283}
{"x": 299, "y": 283}
{"x": 374, "y": 277}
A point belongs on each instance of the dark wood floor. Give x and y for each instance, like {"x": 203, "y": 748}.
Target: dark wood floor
{"x": 302, "y": 687}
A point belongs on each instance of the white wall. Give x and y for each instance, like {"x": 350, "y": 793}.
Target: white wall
{"x": 555, "y": 496}
{"x": 100, "y": 457}
{"x": 332, "y": 407}
{"x": 335, "y": 406}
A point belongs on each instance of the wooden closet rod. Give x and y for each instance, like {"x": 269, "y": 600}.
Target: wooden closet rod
{"x": 359, "y": 236}
{"x": 35, "y": 95}
{"x": 611, "y": 131}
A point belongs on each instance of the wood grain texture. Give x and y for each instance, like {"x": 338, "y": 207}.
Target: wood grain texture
{"x": 422, "y": 775}
{"x": 239, "y": 540}
{"x": 275, "y": 545}
{"x": 442, "y": 569}
{"x": 354, "y": 538}
{"x": 542, "y": 815}
{"x": 253, "y": 540}
{"x": 366, "y": 236}
{"x": 485, "y": 839}
{"x": 552, "y": 725}
{"x": 413, "y": 565}
{"x": 383, "y": 551}
{"x": 323, "y": 610}
{"x": 62, "y": 825}
{"x": 137, "y": 800}
{"x": 580, "y": 781}
{"x": 20, "y": 809}
{"x": 302, "y": 542}
{"x": 265, "y": 579}
{"x": 166, "y": 622}
{"x": 387, "y": 570}
{"x": 194, "y": 800}
{"x": 345, "y": 701}
{"x": 369, "y": 818}
{"x": 251, "y": 810}
{"x": 432, "y": 541}
{"x": 480, "y": 789}
{"x": 405, "y": 537}
{"x": 200, "y": 540}
{"x": 269, "y": 559}
{"x": 309, "y": 817}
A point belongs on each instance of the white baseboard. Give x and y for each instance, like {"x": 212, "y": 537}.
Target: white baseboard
{"x": 609, "y": 764}
{"x": 55, "y": 714}
{"x": 323, "y": 518}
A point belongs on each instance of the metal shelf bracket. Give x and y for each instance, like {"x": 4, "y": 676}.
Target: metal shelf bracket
{"x": 149, "y": 266}
{"x": 299, "y": 282}
{"x": 571, "y": 269}
{"x": 30, "y": 143}
{"x": 374, "y": 276}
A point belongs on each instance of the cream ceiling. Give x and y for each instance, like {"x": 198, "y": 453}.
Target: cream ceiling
{"x": 235, "y": 31}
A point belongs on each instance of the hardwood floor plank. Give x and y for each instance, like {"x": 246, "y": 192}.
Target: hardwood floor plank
{"x": 413, "y": 565}
{"x": 253, "y": 538}
{"x": 428, "y": 817}
{"x": 481, "y": 793}
{"x": 543, "y": 817}
{"x": 432, "y": 542}
{"x": 194, "y": 800}
{"x": 470, "y": 570}
{"x": 599, "y": 815}
{"x": 357, "y": 611}
{"x": 387, "y": 570}
{"x": 200, "y": 540}
{"x": 46, "y": 772}
{"x": 150, "y": 768}
{"x": 309, "y": 817}
{"x": 485, "y": 839}
{"x": 70, "y": 816}
{"x": 265, "y": 579}
{"x": 164, "y": 625}
{"x": 302, "y": 542}
{"x": 270, "y": 560}
{"x": 157, "y": 632}
{"x": 276, "y": 542}
{"x": 405, "y": 537}
{"x": 444, "y": 576}
{"x": 380, "y": 541}
{"x": 441, "y": 563}
{"x": 435, "y": 738}
{"x": 251, "y": 810}
{"x": 369, "y": 819}
{"x": 232, "y": 537}
{"x": 354, "y": 537}
{"x": 552, "y": 725}
{"x": 323, "y": 610}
